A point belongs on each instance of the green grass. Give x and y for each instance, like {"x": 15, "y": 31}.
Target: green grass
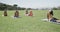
{"x": 28, "y": 24}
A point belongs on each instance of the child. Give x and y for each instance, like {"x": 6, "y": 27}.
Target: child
{"x": 5, "y": 13}
{"x": 31, "y": 13}
{"x": 26, "y": 13}
{"x": 16, "y": 14}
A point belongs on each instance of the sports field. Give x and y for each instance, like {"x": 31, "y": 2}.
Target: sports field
{"x": 27, "y": 23}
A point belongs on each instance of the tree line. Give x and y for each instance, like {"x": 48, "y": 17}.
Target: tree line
{"x": 11, "y": 7}
{"x": 56, "y": 8}
{"x": 15, "y": 7}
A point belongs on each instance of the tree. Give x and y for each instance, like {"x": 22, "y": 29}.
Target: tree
{"x": 59, "y": 8}
{"x": 29, "y": 8}
{"x": 15, "y": 6}
{"x": 10, "y": 7}
{"x": 3, "y": 6}
{"x": 55, "y": 8}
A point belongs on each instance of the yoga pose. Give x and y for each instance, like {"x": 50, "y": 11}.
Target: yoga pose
{"x": 31, "y": 13}
{"x": 51, "y": 18}
{"x": 16, "y": 14}
{"x": 26, "y": 14}
{"x": 5, "y": 13}
{"x": 50, "y": 14}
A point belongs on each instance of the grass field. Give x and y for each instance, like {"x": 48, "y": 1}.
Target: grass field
{"x": 27, "y": 23}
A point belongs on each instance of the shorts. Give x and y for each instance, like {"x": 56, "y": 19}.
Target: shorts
{"x": 54, "y": 19}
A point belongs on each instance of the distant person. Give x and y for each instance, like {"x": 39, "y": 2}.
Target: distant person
{"x": 26, "y": 14}
{"x": 5, "y": 12}
{"x": 31, "y": 13}
{"x": 16, "y": 14}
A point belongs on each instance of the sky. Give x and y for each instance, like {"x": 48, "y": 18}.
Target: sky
{"x": 33, "y": 3}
